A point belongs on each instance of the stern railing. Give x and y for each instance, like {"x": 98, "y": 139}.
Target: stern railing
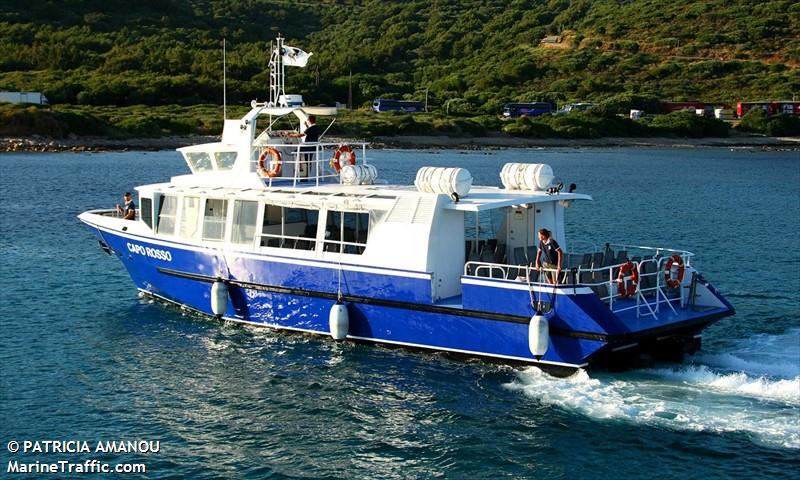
{"x": 651, "y": 290}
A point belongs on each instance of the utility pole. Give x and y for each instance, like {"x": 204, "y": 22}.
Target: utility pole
{"x": 350, "y": 92}
{"x": 426, "y": 99}
{"x": 224, "y": 83}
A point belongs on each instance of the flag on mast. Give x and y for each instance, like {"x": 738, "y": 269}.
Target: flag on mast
{"x": 294, "y": 57}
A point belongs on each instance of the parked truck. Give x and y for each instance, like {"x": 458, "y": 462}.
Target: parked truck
{"x": 24, "y": 97}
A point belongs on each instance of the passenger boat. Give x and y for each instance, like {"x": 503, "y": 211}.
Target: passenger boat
{"x": 264, "y": 233}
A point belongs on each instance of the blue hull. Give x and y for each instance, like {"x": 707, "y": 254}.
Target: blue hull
{"x": 390, "y": 306}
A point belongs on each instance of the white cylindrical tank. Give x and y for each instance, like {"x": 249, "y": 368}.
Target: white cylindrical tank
{"x": 444, "y": 180}
{"x": 526, "y": 176}
{"x": 339, "y": 321}
{"x": 538, "y": 335}
{"x": 290, "y": 100}
{"x": 358, "y": 174}
{"x": 219, "y": 298}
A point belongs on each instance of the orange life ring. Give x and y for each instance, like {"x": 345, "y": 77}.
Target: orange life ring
{"x": 342, "y": 154}
{"x": 674, "y": 282}
{"x": 629, "y": 269}
{"x": 274, "y": 160}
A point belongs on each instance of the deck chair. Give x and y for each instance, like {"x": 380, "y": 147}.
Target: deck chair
{"x": 500, "y": 253}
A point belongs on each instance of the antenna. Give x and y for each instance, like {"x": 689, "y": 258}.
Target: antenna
{"x": 224, "y": 83}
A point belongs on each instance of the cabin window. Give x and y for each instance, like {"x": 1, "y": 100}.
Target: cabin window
{"x": 214, "y": 219}
{"x": 147, "y": 211}
{"x": 166, "y": 215}
{"x": 225, "y": 160}
{"x": 285, "y": 227}
{"x": 199, "y": 161}
{"x": 190, "y": 214}
{"x": 245, "y": 216}
{"x": 346, "y": 232}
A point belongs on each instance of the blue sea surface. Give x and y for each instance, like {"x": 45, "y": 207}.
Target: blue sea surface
{"x": 83, "y": 358}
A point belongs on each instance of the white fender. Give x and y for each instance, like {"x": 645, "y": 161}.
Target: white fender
{"x": 538, "y": 335}
{"x": 339, "y": 321}
{"x": 219, "y": 298}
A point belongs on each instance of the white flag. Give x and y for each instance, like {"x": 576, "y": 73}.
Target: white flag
{"x": 295, "y": 57}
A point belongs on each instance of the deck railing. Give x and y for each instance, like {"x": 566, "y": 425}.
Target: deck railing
{"x": 318, "y": 168}
{"x": 650, "y": 294}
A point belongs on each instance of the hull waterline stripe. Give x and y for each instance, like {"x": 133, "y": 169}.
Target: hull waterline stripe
{"x": 375, "y": 340}
{"x": 616, "y": 339}
{"x": 382, "y": 302}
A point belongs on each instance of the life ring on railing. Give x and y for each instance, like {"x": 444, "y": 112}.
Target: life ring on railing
{"x": 628, "y": 270}
{"x": 674, "y": 282}
{"x": 274, "y": 161}
{"x": 343, "y": 154}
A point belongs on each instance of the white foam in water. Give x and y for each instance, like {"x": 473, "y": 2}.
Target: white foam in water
{"x": 692, "y": 397}
{"x": 773, "y": 355}
{"x": 784, "y": 390}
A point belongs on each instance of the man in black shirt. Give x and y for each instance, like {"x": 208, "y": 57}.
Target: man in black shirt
{"x": 310, "y": 135}
{"x": 549, "y": 255}
{"x": 128, "y": 210}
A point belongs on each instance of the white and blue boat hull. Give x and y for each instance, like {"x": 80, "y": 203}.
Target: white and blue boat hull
{"x": 393, "y": 307}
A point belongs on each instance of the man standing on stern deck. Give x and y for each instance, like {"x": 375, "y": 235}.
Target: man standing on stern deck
{"x": 549, "y": 255}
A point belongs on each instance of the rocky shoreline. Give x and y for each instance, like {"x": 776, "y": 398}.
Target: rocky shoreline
{"x": 97, "y": 144}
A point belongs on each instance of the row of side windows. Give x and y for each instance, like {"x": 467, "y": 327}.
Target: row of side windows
{"x": 281, "y": 227}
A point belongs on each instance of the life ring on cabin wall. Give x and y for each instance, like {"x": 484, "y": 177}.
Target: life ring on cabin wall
{"x": 674, "y": 282}
{"x": 274, "y": 162}
{"x": 628, "y": 270}
{"x": 343, "y": 154}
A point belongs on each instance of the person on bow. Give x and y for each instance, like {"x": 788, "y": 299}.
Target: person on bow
{"x": 128, "y": 209}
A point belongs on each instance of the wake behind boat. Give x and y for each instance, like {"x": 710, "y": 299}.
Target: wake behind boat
{"x": 303, "y": 236}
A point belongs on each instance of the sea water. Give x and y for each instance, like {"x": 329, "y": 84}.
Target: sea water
{"x": 84, "y": 359}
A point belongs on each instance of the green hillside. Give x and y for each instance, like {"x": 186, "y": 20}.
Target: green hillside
{"x": 470, "y": 55}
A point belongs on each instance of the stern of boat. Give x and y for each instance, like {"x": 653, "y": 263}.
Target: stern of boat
{"x": 610, "y": 311}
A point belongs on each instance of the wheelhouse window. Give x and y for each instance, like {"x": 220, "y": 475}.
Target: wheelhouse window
{"x": 224, "y": 160}
{"x": 285, "y": 227}
{"x": 190, "y": 216}
{"x": 147, "y": 211}
{"x": 168, "y": 208}
{"x": 199, "y": 161}
{"x": 245, "y": 216}
{"x": 346, "y": 232}
{"x": 214, "y": 219}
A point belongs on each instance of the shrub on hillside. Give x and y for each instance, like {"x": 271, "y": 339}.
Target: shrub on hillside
{"x": 18, "y": 120}
{"x": 756, "y": 120}
{"x": 625, "y": 102}
{"x": 687, "y": 124}
{"x": 783, "y": 125}
{"x": 525, "y": 127}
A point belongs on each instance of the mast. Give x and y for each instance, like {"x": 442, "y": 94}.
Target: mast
{"x": 277, "y": 73}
